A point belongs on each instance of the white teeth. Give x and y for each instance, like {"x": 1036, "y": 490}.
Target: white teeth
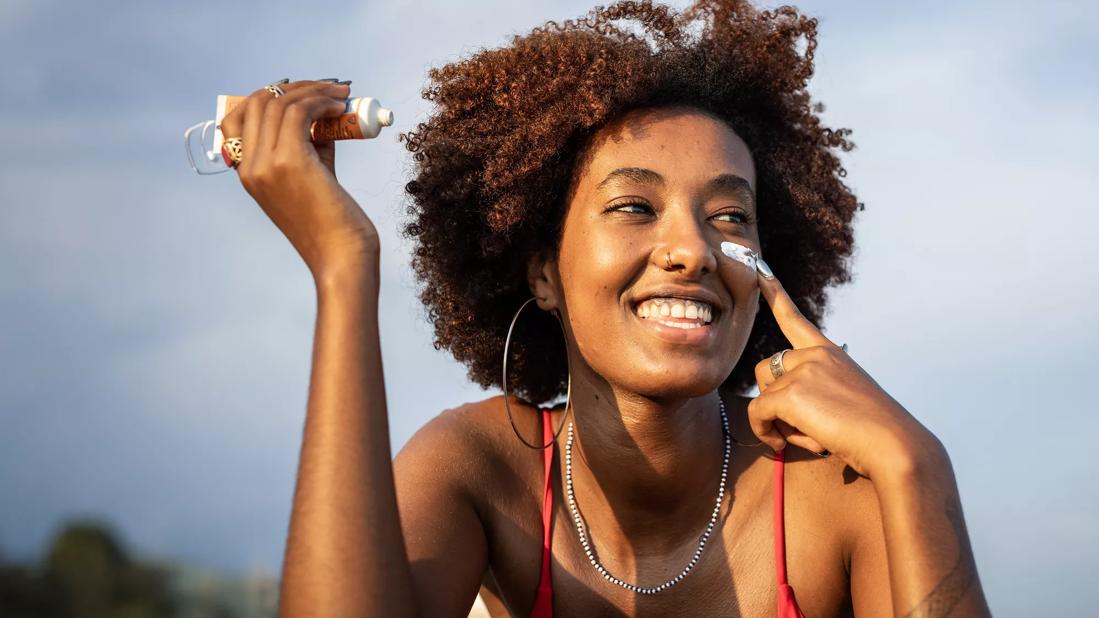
{"x": 655, "y": 308}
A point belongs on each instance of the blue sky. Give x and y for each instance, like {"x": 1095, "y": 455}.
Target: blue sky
{"x": 156, "y": 328}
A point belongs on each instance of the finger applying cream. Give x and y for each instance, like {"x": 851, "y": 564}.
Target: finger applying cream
{"x": 747, "y": 256}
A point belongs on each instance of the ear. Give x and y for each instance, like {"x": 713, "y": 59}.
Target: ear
{"x": 542, "y": 279}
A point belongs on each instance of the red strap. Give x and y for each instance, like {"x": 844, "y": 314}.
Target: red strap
{"x": 780, "y": 528}
{"x": 787, "y": 604}
{"x": 543, "y": 602}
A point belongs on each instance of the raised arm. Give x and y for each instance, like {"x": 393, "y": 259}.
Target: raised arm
{"x": 931, "y": 565}
{"x": 348, "y": 552}
{"x": 817, "y": 397}
{"x": 345, "y": 554}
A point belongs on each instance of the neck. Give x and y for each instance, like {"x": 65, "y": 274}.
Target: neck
{"x": 646, "y": 470}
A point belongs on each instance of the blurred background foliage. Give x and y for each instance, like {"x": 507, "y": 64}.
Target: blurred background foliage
{"x": 87, "y": 572}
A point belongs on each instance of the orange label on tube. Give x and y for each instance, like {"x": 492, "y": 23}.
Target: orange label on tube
{"x": 344, "y": 126}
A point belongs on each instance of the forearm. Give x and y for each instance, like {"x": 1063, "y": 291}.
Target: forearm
{"x": 345, "y": 555}
{"x": 931, "y": 567}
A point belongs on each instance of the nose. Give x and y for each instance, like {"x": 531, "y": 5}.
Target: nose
{"x": 685, "y": 248}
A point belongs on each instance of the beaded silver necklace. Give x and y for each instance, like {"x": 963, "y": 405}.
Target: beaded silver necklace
{"x": 701, "y": 542}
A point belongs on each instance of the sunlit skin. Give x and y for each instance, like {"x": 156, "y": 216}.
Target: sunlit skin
{"x": 646, "y": 405}
{"x": 658, "y": 193}
{"x": 459, "y": 509}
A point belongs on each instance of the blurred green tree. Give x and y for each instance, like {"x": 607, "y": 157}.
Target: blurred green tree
{"x": 86, "y": 573}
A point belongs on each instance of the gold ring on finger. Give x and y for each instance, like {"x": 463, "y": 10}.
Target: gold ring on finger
{"x": 232, "y": 151}
{"x": 777, "y": 370}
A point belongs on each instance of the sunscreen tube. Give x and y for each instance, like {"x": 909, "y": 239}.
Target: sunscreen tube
{"x": 363, "y": 118}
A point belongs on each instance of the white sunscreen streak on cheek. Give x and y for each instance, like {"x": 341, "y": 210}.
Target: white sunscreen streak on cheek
{"x": 740, "y": 253}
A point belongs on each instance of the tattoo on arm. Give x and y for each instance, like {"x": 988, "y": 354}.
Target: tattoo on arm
{"x": 952, "y": 588}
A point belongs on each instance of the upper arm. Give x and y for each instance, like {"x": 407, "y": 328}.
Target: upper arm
{"x": 444, "y": 536}
{"x": 871, "y": 594}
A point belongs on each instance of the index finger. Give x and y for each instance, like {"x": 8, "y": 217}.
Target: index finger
{"x": 798, "y": 329}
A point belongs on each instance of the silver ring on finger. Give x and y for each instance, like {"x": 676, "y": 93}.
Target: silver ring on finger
{"x": 274, "y": 89}
{"x": 777, "y": 370}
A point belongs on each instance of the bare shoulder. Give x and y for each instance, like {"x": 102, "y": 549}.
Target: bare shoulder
{"x": 454, "y": 479}
{"x": 829, "y": 494}
{"x": 843, "y": 500}
{"x": 471, "y": 444}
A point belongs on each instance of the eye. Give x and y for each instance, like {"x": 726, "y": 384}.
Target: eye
{"x": 634, "y": 207}
{"x": 736, "y": 216}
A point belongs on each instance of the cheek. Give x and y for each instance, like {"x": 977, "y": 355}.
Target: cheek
{"x": 743, "y": 286}
{"x": 595, "y": 270}
{"x": 740, "y": 280}
{"x": 598, "y": 267}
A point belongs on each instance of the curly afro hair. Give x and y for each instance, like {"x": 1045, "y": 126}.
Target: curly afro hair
{"x": 495, "y": 163}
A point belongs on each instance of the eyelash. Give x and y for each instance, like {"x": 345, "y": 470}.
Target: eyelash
{"x": 748, "y": 219}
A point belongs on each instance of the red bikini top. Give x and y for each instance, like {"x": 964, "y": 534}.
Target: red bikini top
{"x": 543, "y": 602}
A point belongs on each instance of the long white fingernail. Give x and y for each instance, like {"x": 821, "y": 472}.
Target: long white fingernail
{"x": 764, "y": 269}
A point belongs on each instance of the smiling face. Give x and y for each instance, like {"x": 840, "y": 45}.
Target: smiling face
{"x": 651, "y": 303}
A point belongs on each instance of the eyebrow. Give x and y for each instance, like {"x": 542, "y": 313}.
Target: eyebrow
{"x": 723, "y": 183}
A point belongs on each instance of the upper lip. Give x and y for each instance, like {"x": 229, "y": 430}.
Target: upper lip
{"x": 686, "y": 293}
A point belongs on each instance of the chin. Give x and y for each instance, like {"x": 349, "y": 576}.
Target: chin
{"x": 678, "y": 385}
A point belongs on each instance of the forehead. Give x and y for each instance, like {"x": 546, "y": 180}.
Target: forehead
{"x": 680, "y": 143}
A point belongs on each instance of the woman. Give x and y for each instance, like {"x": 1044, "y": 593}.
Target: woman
{"x": 590, "y": 177}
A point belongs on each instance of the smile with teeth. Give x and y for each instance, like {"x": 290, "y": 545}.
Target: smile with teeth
{"x": 676, "y": 312}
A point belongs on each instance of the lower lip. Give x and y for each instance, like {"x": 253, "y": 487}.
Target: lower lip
{"x": 684, "y": 336}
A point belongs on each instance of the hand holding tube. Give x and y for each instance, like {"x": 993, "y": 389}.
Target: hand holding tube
{"x": 292, "y": 178}
{"x": 345, "y": 552}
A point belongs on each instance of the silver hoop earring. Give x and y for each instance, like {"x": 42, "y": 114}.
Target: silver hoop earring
{"x": 568, "y": 390}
